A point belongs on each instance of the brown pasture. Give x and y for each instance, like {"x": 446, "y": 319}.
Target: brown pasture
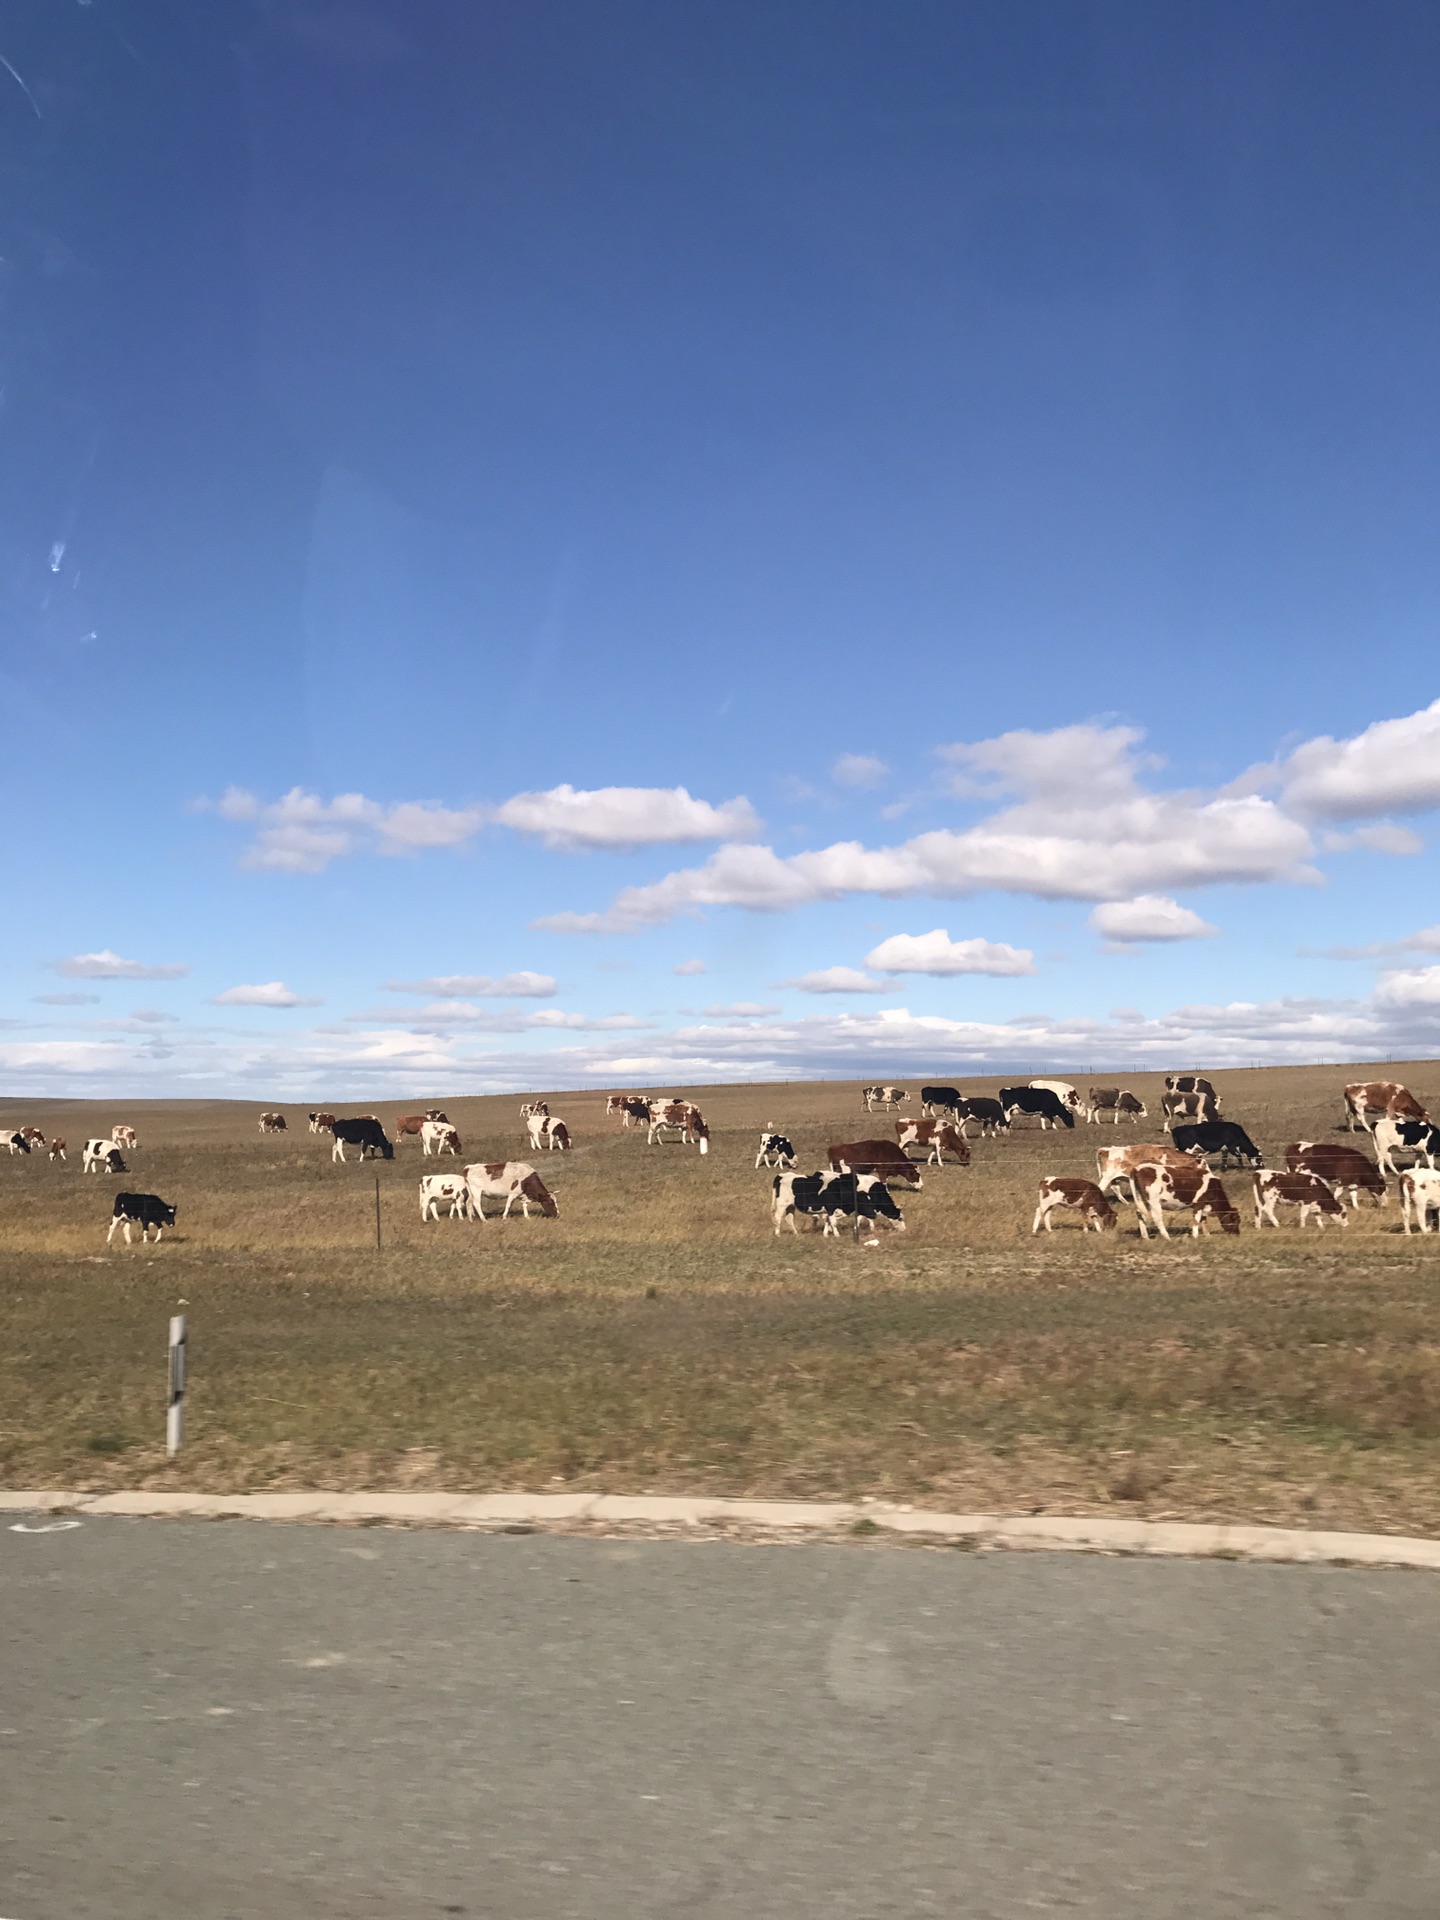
{"x": 658, "y": 1337}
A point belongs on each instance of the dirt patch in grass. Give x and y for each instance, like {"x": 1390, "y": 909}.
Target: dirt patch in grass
{"x": 657, "y": 1336}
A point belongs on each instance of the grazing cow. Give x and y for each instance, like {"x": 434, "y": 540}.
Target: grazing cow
{"x": 532, "y": 1108}
{"x": 57, "y": 1148}
{"x": 1161, "y": 1190}
{"x": 1114, "y": 1101}
{"x": 775, "y": 1151}
{"x": 1343, "y": 1169}
{"x": 15, "y": 1140}
{"x": 1387, "y": 1097}
{"x": 1419, "y": 1137}
{"x": 1225, "y": 1137}
{"x": 549, "y": 1131}
{"x": 435, "y": 1187}
{"x": 1081, "y": 1196}
{"x": 144, "y": 1210}
{"x": 321, "y": 1122}
{"x": 34, "y": 1136}
{"x": 102, "y": 1156}
{"x": 1121, "y": 1163}
{"x": 940, "y": 1136}
{"x": 1419, "y": 1197}
{"x": 508, "y": 1180}
{"x": 883, "y": 1097}
{"x": 678, "y": 1116}
{"x": 364, "y": 1132}
{"x": 831, "y": 1198}
{"x": 935, "y": 1100}
{"x": 875, "y": 1156}
{"x": 1307, "y": 1191}
{"x": 987, "y": 1114}
{"x": 408, "y": 1125}
{"x": 124, "y": 1136}
{"x": 1189, "y": 1083}
{"x": 440, "y": 1135}
{"x": 1200, "y": 1108}
{"x": 272, "y": 1123}
{"x": 1063, "y": 1091}
{"x": 1043, "y": 1102}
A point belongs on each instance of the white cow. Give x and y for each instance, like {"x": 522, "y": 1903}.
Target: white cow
{"x": 547, "y": 1130}
{"x": 452, "y": 1187}
{"x": 103, "y": 1156}
{"x": 440, "y": 1136}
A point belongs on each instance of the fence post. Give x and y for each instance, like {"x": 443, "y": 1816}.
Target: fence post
{"x": 175, "y": 1403}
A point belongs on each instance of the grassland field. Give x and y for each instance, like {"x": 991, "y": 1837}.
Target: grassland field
{"x": 657, "y": 1336}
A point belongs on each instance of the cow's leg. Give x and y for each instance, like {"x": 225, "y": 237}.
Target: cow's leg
{"x": 116, "y": 1221}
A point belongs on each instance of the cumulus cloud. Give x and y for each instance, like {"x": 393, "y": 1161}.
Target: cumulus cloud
{"x": 1152, "y": 916}
{"x": 480, "y": 986}
{"x": 937, "y": 953}
{"x": 1393, "y": 766}
{"x": 106, "y": 965}
{"x": 861, "y": 770}
{"x": 1386, "y": 837}
{"x": 687, "y": 968}
{"x": 273, "y": 993}
{"x": 618, "y": 818}
{"x": 1409, "y": 987}
{"x": 839, "y": 980}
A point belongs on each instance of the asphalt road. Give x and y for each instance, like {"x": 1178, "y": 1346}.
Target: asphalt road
{"x": 302, "y": 1723}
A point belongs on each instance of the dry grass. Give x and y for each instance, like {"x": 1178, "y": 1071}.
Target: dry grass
{"x": 656, "y": 1336}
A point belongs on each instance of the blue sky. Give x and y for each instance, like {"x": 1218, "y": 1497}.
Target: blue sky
{"x": 558, "y": 545}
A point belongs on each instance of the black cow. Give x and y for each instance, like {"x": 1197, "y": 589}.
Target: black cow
{"x": 1046, "y": 1106}
{"x": 144, "y": 1210}
{"x": 365, "y": 1133}
{"x": 1225, "y": 1137}
{"x": 987, "y": 1114}
{"x": 775, "y": 1150}
{"x": 933, "y": 1099}
{"x": 831, "y": 1197}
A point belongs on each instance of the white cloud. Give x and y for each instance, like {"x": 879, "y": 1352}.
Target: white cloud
{"x": 1152, "y": 916}
{"x": 616, "y": 818}
{"x": 445, "y": 1015}
{"x": 106, "y": 965}
{"x": 1409, "y": 988}
{"x": 686, "y": 969}
{"x": 1392, "y": 767}
{"x": 480, "y": 986}
{"x": 739, "y": 1010}
{"x": 153, "y": 1017}
{"x": 1386, "y": 837}
{"x": 839, "y": 980}
{"x": 1085, "y": 763}
{"x": 273, "y": 993}
{"x": 937, "y": 953}
{"x": 67, "y": 999}
{"x": 861, "y": 770}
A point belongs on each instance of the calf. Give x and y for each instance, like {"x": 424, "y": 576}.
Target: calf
{"x": 775, "y": 1151}
{"x": 1080, "y": 1196}
{"x": 1114, "y": 1101}
{"x": 988, "y": 1114}
{"x": 272, "y": 1123}
{"x": 1201, "y": 1107}
{"x": 143, "y": 1210}
{"x": 1419, "y": 1197}
{"x": 1161, "y": 1190}
{"x": 441, "y": 1136}
{"x": 508, "y": 1180}
{"x": 875, "y": 1156}
{"x": 102, "y": 1156}
{"x": 435, "y": 1187}
{"x": 548, "y": 1131}
{"x": 1343, "y": 1169}
{"x": 1413, "y": 1136}
{"x": 1043, "y": 1103}
{"x": 935, "y": 1100}
{"x": 57, "y": 1148}
{"x": 939, "y": 1136}
{"x": 364, "y": 1132}
{"x": 1366, "y": 1097}
{"x": 1307, "y": 1191}
{"x": 1225, "y": 1137}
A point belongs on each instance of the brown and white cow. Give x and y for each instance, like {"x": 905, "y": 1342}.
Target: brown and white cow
{"x": 34, "y": 1136}
{"x": 939, "y": 1136}
{"x": 413, "y": 1125}
{"x": 1057, "y": 1194}
{"x": 1120, "y": 1163}
{"x": 1366, "y": 1097}
{"x": 1162, "y": 1190}
{"x": 1114, "y": 1101}
{"x": 436, "y": 1188}
{"x": 508, "y": 1180}
{"x": 1419, "y": 1197}
{"x": 272, "y": 1123}
{"x": 439, "y": 1136}
{"x": 1343, "y": 1169}
{"x": 875, "y": 1156}
{"x": 548, "y": 1131}
{"x": 886, "y": 1098}
{"x": 321, "y": 1122}
{"x": 678, "y": 1116}
{"x": 1307, "y": 1191}
{"x": 124, "y": 1136}
{"x": 57, "y": 1147}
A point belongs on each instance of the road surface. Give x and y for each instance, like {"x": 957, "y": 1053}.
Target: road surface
{"x": 221, "y": 1721}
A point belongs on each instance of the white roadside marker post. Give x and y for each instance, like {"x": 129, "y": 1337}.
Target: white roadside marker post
{"x": 175, "y": 1404}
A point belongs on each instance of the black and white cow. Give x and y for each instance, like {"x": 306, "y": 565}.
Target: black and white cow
{"x": 831, "y": 1198}
{"x": 366, "y": 1133}
{"x": 1225, "y": 1137}
{"x": 987, "y": 1114}
{"x": 143, "y": 1210}
{"x": 1189, "y": 1083}
{"x": 1420, "y": 1137}
{"x": 935, "y": 1100}
{"x": 15, "y": 1140}
{"x": 1046, "y": 1106}
{"x": 775, "y": 1151}
{"x": 102, "y": 1156}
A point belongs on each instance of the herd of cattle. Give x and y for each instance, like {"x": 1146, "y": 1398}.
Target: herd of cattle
{"x": 853, "y": 1194}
